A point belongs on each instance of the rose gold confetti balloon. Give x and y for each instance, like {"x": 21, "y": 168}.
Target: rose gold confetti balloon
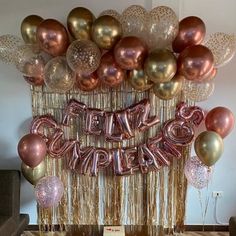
{"x": 35, "y": 81}
{"x": 83, "y": 56}
{"x": 87, "y": 82}
{"x": 58, "y": 75}
{"x": 162, "y": 25}
{"x": 111, "y": 12}
{"x": 198, "y": 91}
{"x": 29, "y": 61}
{"x": 133, "y": 20}
{"x": 8, "y": 47}
{"x": 223, "y": 47}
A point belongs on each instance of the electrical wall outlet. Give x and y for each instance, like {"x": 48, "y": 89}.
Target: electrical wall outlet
{"x": 217, "y": 194}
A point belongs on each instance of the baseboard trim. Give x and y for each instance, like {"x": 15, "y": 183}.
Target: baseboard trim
{"x": 219, "y": 228}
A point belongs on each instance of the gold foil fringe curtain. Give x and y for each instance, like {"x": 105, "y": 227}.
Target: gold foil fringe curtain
{"x": 156, "y": 199}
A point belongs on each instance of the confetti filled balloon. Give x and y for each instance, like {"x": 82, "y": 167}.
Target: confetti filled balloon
{"x": 58, "y": 75}
{"x": 111, "y": 12}
{"x": 29, "y": 61}
{"x": 133, "y": 20}
{"x": 163, "y": 25}
{"x": 79, "y": 23}
{"x": 223, "y": 47}
{"x": 49, "y": 191}
{"x": 83, "y": 56}
{"x": 8, "y": 46}
{"x": 197, "y": 174}
{"x": 198, "y": 91}
{"x": 35, "y": 81}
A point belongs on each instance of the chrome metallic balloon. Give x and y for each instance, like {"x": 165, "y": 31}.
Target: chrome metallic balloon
{"x": 79, "y": 23}
{"x": 160, "y": 65}
{"x": 106, "y": 31}
{"x": 209, "y": 147}
{"x": 139, "y": 80}
{"x": 29, "y": 27}
{"x": 33, "y": 175}
{"x": 170, "y": 89}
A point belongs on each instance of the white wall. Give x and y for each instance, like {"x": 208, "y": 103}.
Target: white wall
{"x": 15, "y": 102}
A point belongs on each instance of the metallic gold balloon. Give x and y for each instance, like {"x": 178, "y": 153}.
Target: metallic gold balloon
{"x": 168, "y": 90}
{"x": 209, "y": 147}
{"x": 160, "y": 65}
{"x": 52, "y": 37}
{"x": 79, "y": 23}
{"x": 87, "y": 82}
{"x": 29, "y": 27}
{"x": 106, "y": 31}
{"x": 139, "y": 80}
{"x": 33, "y": 175}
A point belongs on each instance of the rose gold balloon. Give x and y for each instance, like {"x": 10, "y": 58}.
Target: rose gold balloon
{"x": 35, "y": 81}
{"x": 109, "y": 72}
{"x": 192, "y": 31}
{"x": 220, "y": 120}
{"x": 195, "y": 62}
{"x": 130, "y": 53}
{"x": 32, "y": 149}
{"x": 211, "y": 75}
{"x": 87, "y": 82}
{"x": 52, "y": 37}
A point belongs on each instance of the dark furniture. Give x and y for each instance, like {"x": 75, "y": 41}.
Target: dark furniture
{"x": 232, "y": 226}
{"x": 12, "y": 223}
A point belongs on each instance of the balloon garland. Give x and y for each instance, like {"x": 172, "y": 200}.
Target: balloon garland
{"x": 152, "y": 51}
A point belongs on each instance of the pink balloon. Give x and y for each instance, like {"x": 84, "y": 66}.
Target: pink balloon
{"x": 197, "y": 174}
{"x": 49, "y": 191}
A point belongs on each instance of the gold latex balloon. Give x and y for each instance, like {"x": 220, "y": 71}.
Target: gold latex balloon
{"x": 160, "y": 65}
{"x": 29, "y": 27}
{"x": 209, "y": 147}
{"x": 168, "y": 90}
{"x": 106, "y": 31}
{"x": 33, "y": 175}
{"x": 79, "y": 23}
{"x": 139, "y": 80}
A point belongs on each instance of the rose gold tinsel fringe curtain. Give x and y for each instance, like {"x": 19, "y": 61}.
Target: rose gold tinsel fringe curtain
{"x": 156, "y": 199}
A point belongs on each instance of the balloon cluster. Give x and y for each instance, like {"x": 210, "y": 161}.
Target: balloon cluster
{"x": 208, "y": 146}
{"x": 152, "y": 50}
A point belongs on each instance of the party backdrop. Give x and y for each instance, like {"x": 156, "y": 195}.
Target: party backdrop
{"x": 112, "y": 130}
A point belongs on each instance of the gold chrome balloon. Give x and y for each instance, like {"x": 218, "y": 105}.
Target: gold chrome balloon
{"x": 160, "y": 65}
{"x": 79, "y": 23}
{"x": 106, "y": 31}
{"x": 29, "y": 27}
{"x": 33, "y": 175}
{"x": 168, "y": 90}
{"x": 209, "y": 147}
{"x": 139, "y": 80}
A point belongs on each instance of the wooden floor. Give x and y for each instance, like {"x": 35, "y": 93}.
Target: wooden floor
{"x": 32, "y": 233}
